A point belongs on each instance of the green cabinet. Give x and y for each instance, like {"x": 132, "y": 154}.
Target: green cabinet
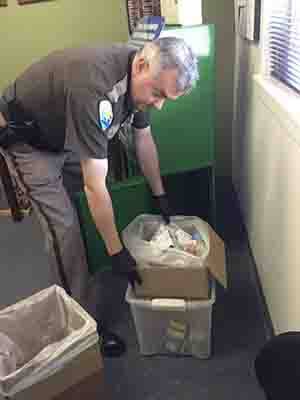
{"x": 184, "y": 129}
{"x": 184, "y": 133}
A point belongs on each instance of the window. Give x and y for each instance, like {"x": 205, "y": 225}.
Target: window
{"x": 141, "y": 8}
{"x": 283, "y": 44}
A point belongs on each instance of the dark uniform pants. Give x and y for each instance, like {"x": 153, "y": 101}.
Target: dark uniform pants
{"x": 41, "y": 173}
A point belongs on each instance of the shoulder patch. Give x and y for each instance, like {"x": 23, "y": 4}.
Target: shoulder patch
{"x": 105, "y": 114}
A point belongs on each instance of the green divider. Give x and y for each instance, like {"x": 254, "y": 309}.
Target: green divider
{"x": 129, "y": 199}
{"x": 184, "y": 129}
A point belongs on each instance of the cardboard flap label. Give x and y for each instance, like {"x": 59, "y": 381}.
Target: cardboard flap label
{"x": 216, "y": 261}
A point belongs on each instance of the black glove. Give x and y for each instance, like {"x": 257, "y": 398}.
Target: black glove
{"x": 125, "y": 265}
{"x": 163, "y": 206}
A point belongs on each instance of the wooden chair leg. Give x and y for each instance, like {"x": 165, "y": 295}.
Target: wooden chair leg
{"x": 16, "y": 212}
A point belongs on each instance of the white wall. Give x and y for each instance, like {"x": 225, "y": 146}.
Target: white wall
{"x": 266, "y": 175}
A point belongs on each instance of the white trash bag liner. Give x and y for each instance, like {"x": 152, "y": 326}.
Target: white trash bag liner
{"x": 149, "y": 243}
{"x": 39, "y": 335}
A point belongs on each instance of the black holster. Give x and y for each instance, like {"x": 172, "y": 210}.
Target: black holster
{"x": 8, "y": 137}
{"x": 13, "y": 133}
{"x": 20, "y": 128}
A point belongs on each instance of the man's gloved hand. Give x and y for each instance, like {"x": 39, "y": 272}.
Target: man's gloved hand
{"x": 162, "y": 204}
{"x": 125, "y": 265}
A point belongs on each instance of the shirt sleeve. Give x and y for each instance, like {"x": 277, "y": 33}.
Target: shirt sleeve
{"x": 141, "y": 119}
{"x": 83, "y": 129}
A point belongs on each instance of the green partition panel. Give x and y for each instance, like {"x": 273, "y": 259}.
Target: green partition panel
{"x": 129, "y": 199}
{"x": 184, "y": 129}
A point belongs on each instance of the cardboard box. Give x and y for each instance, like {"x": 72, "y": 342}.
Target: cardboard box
{"x": 185, "y": 282}
{"x": 93, "y": 387}
{"x": 83, "y": 366}
{"x": 55, "y": 343}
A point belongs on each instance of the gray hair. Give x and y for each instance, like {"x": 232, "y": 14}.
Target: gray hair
{"x": 171, "y": 52}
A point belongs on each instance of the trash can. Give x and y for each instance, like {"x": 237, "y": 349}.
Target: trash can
{"x": 173, "y": 326}
{"x": 48, "y": 343}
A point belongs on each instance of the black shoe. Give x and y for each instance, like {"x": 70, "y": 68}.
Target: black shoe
{"x": 111, "y": 345}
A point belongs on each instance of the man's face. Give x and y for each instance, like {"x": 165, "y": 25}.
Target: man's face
{"x": 151, "y": 90}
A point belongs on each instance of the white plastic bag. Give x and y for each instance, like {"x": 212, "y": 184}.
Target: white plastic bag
{"x": 162, "y": 238}
{"x": 137, "y": 236}
{"x": 48, "y": 329}
{"x": 10, "y": 355}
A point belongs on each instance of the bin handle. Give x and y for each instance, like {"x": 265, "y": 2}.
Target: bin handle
{"x": 168, "y": 304}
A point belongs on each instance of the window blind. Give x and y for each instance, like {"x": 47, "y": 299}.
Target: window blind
{"x": 284, "y": 42}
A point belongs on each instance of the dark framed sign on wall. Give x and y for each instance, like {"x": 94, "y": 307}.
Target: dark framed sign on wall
{"x": 138, "y": 9}
{"x": 248, "y": 19}
{"x": 23, "y": 2}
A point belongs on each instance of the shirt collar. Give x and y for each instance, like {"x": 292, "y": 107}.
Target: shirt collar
{"x": 129, "y": 100}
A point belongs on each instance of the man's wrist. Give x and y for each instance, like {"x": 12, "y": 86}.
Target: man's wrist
{"x": 115, "y": 249}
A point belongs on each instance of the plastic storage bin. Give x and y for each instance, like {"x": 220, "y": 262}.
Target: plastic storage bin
{"x": 173, "y": 326}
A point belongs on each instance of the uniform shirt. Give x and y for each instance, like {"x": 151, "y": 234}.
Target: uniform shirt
{"x": 79, "y": 98}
